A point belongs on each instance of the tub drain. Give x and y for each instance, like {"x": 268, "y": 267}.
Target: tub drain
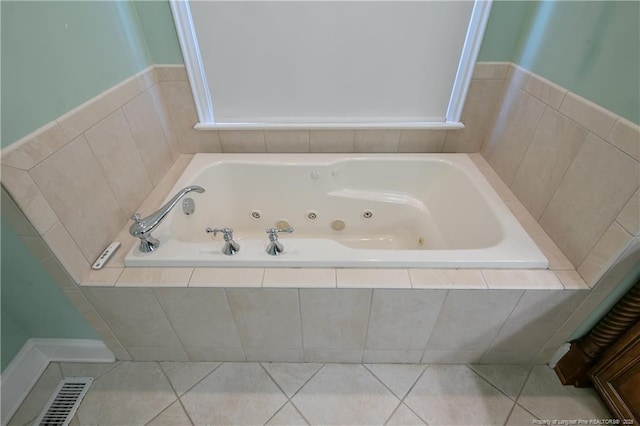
{"x": 311, "y": 215}
{"x": 256, "y": 214}
{"x": 367, "y": 214}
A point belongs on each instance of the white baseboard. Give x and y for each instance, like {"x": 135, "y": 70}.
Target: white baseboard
{"x": 26, "y": 367}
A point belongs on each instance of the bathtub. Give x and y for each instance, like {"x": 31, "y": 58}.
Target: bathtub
{"x": 354, "y": 210}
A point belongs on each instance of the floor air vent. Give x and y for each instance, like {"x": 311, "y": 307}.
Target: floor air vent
{"x": 65, "y": 401}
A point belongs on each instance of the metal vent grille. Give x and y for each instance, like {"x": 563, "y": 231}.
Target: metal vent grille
{"x": 64, "y": 402}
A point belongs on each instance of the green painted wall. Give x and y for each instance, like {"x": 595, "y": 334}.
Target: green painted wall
{"x": 56, "y": 55}
{"x": 591, "y": 48}
{"x": 13, "y": 337}
{"x": 505, "y": 30}
{"x": 159, "y": 31}
{"x": 31, "y": 299}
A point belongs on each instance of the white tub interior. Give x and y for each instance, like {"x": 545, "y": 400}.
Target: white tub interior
{"x": 427, "y": 210}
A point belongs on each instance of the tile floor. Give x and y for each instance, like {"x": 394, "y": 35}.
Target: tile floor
{"x": 185, "y": 393}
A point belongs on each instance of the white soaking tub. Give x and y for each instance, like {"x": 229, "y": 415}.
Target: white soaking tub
{"x": 413, "y": 210}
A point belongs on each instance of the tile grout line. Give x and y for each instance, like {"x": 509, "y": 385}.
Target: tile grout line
{"x": 491, "y": 383}
{"x": 235, "y": 323}
{"x": 301, "y": 387}
{"x": 520, "y": 394}
{"x": 515, "y": 306}
{"x": 176, "y": 393}
{"x": 392, "y": 393}
{"x": 195, "y": 384}
{"x": 175, "y": 333}
{"x": 366, "y": 332}
{"x": 515, "y": 401}
{"x": 427, "y": 366}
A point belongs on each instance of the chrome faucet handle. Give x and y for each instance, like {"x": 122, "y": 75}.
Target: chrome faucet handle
{"x": 136, "y": 218}
{"x": 230, "y": 247}
{"x": 275, "y": 247}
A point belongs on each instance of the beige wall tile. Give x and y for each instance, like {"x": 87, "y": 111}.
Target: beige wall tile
{"x": 552, "y": 149}
{"x": 592, "y": 193}
{"x": 626, "y": 136}
{"x": 171, "y": 73}
{"x": 536, "y": 317}
{"x": 620, "y": 268}
{"x": 508, "y": 357}
{"x": 116, "y": 151}
{"x": 557, "y": 259}
{"x": 333, "y": 355}
{"x": 144, "y": 115}
{"x": 201, "y": 317}
{"x": 458, "y": 328}
{"x": 226, "y": 277}
{"x": 78, "y": 120}
{"x": 451, "y": 357}
{"x": 300, "y": 277}
{"x": 201, "y": 353}
{"x": 377, "y": 140}
{"x": 604, "y": 253}
{"x": 373, "y": 278}
{"x": 532, "y": 279}
{"x": 122, "y": 93}
{"x": 157, "y": 353}
{"x": 402, "y": 320}
{"x": 334, "y": 319}
{"x": 512, "y": 132}
{"x": 266, "y": 318}
{"x": 16, "y": 218}
{"x": 518, "y": 76}
{"x": 382, "y": 356}
{"x": 78, "y": 192}
{"x": 147, "y": 78}
{"x": 154, "y": 277}
{"x": 421, "y": 140}
{"x": 32, "y": 149}
{"x": 491, "y": 70}
{"x": 242, "y": 141}
{"x": 629, "y": 217}
{"x": 274, "y": 355}
{"x": 66, "y": 250}
{"x": 332, "y": 140}
{"x": 182, "y": 115}
{"x": 447, "y": 278}
{"x": 492, "y": 177}
{"x": 134, "y": 315}
{"x": 483, "y": 99}
{"x": 28, "y": 197}
{"x": 287, "y": 140}
{"x": 586, "y": 113}
{"x": 571, "y": 280}
{"x": 582, "y": 312}
{"x": 548, "y": 92}
{"x": 105, "y": 277}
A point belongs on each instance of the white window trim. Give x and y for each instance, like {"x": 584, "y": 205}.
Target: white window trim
{"x": 204, "y": 104}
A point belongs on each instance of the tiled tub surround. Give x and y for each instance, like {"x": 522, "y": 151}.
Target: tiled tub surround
{"x": 573, "y": 165}
{"x": 60, "y": 237}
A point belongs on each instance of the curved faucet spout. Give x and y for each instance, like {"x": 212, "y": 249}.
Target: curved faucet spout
{"x": 142, "y": 227}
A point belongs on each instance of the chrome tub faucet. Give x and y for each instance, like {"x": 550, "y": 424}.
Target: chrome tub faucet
{"x": 142, "y": 228}
{"x": 275, "y": 247}
{"x": 230, "y": 247}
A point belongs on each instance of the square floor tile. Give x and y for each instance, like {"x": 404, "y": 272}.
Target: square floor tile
{"x": 236, "y": 393}
{"x": 131, "y": 393}
{"x": 345, "y": 394}
{"x": 454, "y": 394}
